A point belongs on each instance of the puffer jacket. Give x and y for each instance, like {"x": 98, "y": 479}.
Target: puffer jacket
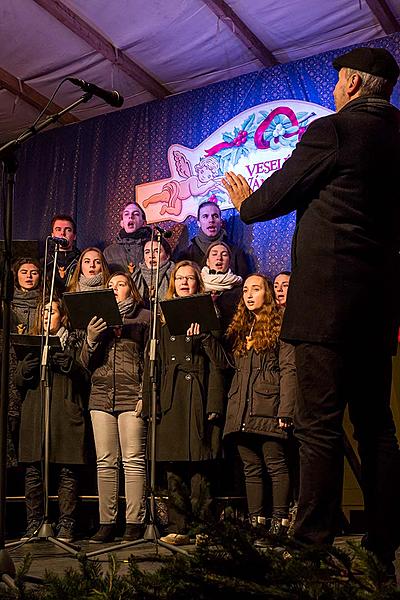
{"x": 127, "y": 251}
{"x": 262, "y": 390}
{"x": 116, "y": 363}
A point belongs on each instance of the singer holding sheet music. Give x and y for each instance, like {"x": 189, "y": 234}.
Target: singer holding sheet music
{"x": 191, "y": 398}
{"x": 114, "y": 356}
{"x": 69, "y": 393}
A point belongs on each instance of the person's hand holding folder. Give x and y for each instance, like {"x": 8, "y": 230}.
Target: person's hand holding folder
{"x": 95, "y": 328}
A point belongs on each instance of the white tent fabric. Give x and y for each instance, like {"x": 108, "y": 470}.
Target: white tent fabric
{"x": 182, "y": 44}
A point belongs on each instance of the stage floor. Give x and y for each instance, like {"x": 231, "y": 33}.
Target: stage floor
{"x": 47, "y": 557}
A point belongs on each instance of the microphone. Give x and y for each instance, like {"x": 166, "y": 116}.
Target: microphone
{"x": 167, "y": 233}
{"x": 112, "y": 97}
{"x": 62, "y": 242}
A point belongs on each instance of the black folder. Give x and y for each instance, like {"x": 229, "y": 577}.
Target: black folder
{"x": 179, "y": 313}
{"x": 83, "y": 306}
{"x": 32, "y": 344}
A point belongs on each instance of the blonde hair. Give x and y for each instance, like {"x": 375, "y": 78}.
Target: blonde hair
{"x": 199, "y": 281}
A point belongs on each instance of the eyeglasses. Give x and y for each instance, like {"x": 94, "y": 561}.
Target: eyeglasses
{"x": 185, "y": 277}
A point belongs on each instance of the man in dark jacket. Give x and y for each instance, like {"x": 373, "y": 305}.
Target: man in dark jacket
{"x": 63, "y": 226}
{"x": 210, "y": 230}
{"x": 341, "y": 180}
{"x": 127, "y": 251}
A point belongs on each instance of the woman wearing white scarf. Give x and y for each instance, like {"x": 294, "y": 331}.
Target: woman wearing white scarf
{"x": 218, "y": 278}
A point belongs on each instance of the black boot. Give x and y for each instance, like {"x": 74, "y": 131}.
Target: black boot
{"x": 133, "y": 531}
{"x": 66, "y": 530}
{"x": 104, "y": 535}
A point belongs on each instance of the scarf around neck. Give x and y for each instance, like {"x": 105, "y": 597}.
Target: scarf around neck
{"x": 86, "y": 284}
{"x": 219, "y": 282}
{"x": 145, "y": 273}
{"x": 203, "y": 240}
{"x": 27, "y": 299}
{"x": 127, "y": 307}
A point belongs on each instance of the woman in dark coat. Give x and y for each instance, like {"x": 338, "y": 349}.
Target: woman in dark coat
{"x": 224, "y": 285}
{"x": 27, "y": 294}
{"x": 191, "y": 400}
{"x": 114, "y": 356}
{"x": 261, "y": 399}
{"x": 69, "y": 387}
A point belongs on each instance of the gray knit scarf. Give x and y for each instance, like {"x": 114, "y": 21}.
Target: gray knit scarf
{"x": 86, "y": 284}
{"x": 126, "y": 307}
{"x": 203, "y": 240}
{"x": 144, "y": 276}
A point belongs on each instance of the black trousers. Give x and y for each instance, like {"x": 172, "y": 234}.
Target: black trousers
{"x": 331, "y": 376}
{"x": 67, "y": 491}
{"x": 260, "y": 452}
{"x": 189, "y": 495}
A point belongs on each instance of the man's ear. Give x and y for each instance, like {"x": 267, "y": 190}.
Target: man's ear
{"x": 353, "y": 84}
{"x": 121, "y": 224}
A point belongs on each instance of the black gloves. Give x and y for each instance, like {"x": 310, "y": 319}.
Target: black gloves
{"x": 29, "y": 365}
{"x": 61, "y": 362}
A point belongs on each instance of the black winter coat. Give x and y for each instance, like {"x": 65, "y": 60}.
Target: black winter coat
{"x": 116, "y": 364}
{"x": 191, "y": 385}
{"x": 342, "y": 179}
{"x": 262, "y": 390}
{"x": 69, "y": 395}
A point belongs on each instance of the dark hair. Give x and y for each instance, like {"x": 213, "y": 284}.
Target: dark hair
{"x": 164, "y": 244}
{"x": 135, "y": 204}
{"x": 38, "y": 323}
{"x": 288, "y": 273}
{"x": 63, "y": 218}
{"x": 217, "y": 243}
{"x": 207, "y": 203}
{"x": 26, "y": 261}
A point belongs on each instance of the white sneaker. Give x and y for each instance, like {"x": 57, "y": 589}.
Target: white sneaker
{"x": 176, "y": 539}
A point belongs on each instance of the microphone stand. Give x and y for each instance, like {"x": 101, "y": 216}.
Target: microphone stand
{"x": 46, "y": 531}
{"x": 7, "y": 156}
{"x": 151, "y": 533}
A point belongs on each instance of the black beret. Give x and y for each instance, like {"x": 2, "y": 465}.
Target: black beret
{"x": 375, "y": 61}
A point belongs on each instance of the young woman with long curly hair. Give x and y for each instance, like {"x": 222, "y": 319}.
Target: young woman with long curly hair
{"x": 261, "y": 399}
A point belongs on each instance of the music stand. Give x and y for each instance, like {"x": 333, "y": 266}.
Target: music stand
{"x": 10, "y": 166}
{"x": 151, "y": 534}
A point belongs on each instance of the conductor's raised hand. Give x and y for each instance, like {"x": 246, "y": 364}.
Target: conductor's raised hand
{"x": 194, "y": 329}
{"x": 95, "y": 328}
{"x": 237, "y": 188}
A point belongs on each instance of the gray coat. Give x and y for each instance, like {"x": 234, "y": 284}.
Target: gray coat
{"x": 262, "y": 390}
{"x": 116, "y": 364}
{"x": 127, "y": 250}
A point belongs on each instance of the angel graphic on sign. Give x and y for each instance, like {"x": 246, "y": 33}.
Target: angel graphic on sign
{"x": 174, "y": 192}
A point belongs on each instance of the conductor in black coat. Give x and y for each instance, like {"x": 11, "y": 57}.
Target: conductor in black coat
{"x": 341, "y": 179}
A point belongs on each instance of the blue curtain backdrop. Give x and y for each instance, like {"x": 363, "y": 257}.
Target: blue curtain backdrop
{"x": 90, "y": 169}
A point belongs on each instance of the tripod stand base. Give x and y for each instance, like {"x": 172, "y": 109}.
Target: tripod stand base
{"x": 150, "y": 536}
